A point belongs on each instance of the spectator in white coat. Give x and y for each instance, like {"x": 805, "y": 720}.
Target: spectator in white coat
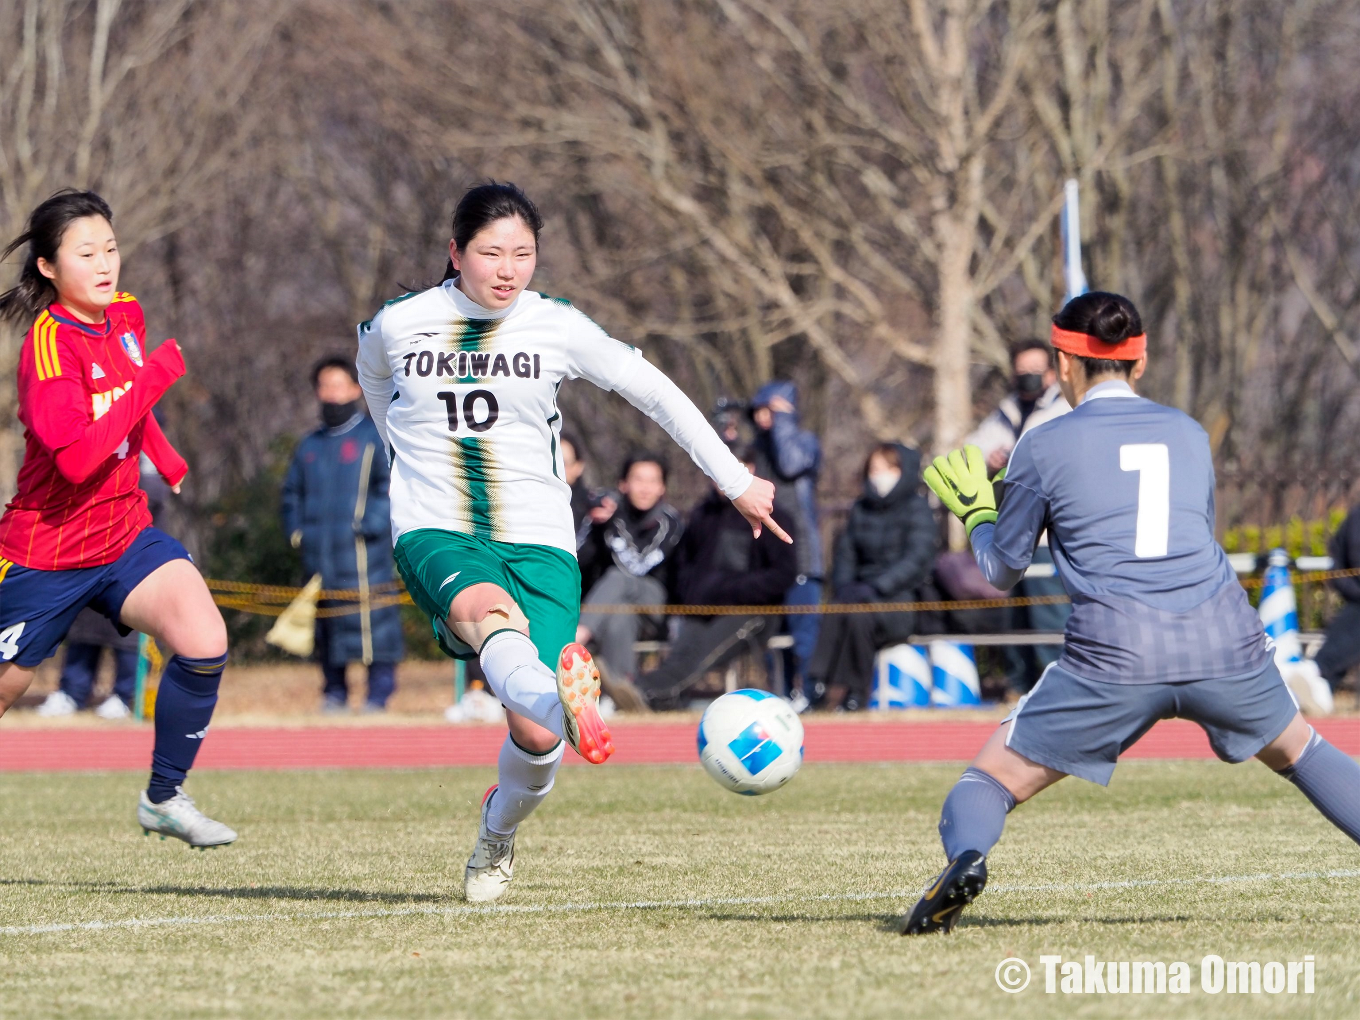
{"x": 1033, "y": 400}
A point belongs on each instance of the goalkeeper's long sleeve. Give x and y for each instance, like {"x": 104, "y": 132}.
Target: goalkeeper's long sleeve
{"x": 1003, "y": 550}
{"x": 998, "y": 572}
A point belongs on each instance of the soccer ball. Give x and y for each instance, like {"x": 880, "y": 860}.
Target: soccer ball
{"x": 751, "y": 742}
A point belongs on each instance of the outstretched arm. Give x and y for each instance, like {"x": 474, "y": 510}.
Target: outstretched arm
{"x": 615, "y": 366}
{"x": 652, "y": 392}
{"x": 57, "y": 410}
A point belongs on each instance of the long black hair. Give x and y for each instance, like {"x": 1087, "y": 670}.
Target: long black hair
{"x": 485, "y": 204}
{"x": 43, "y": 234}
{"x": 1105, "y": 316}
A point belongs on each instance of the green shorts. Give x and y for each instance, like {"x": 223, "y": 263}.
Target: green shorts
{"x": 544, "y": 582}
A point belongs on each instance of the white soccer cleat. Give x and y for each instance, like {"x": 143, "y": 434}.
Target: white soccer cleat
{"x": 58, "y": 703}
{"x": 181, "y": 818}
{"x": 112, "y": 707}
{"x": 492, "y": 864}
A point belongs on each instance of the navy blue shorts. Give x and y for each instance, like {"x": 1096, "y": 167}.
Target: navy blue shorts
{"x": 1082, "y": 726}
{"x": 37, "y": 607}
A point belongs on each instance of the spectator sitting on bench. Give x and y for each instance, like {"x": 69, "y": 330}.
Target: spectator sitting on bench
{"x": 632, "y": 547}
{"x": 885, "y": 554}
{"x": 720, "y": 563}
{"x": 1340, "y": 650}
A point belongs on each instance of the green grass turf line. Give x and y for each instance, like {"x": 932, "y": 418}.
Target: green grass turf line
{"x": 773, "y": 906}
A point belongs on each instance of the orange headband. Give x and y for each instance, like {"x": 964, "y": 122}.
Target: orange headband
{"x": 1086, "y": 346}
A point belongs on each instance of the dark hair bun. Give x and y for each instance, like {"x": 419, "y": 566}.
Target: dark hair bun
{"x": 1108, "y": 317}
{"x": 1110, "y": 323}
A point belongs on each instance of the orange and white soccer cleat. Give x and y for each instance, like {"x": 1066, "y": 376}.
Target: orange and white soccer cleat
{"x": 578, "y": 687}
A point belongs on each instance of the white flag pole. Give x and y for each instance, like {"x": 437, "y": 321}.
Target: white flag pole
{"x": 1071, "y": 236}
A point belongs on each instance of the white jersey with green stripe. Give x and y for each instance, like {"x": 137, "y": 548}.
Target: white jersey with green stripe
{"x": 466, "y": 401}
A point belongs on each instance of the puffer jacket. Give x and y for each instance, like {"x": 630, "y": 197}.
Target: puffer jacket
{"x": 889, "y": 541}
{"x": 791, "y": 457}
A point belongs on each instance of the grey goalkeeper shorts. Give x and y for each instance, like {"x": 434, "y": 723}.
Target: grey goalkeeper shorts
{"x": 1081, "y": 726}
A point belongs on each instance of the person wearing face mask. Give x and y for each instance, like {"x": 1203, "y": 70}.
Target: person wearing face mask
{"x": 885, "y": 554}
{"x": 335, "y": 510}
{"x": 1034, "y": 399}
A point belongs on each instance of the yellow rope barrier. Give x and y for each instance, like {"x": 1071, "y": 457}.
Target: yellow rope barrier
{"x": 271, "y": 600}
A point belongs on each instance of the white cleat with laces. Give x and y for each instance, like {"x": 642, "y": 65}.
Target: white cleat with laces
{"x": 492, "y": 863}
{"x": 181, "y": 818}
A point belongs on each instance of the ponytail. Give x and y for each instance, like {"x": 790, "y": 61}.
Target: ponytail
{"x": 43, "y": 235}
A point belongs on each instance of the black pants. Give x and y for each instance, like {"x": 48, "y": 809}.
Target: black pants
{"x": 845, "y": 654}
{"x": 1341, "y": 650}
{"x": 702, "y": 644}
{"x": 848, "y": 642}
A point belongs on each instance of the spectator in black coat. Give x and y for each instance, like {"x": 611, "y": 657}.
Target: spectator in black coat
{"x": 631, "y": 550}
{"x": 885, "y": 554}
{"x": 1341, "y": 650}
{"x": 720, "y": 563}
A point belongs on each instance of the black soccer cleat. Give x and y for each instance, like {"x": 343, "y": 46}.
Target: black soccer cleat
{"x": 940, "y": 906}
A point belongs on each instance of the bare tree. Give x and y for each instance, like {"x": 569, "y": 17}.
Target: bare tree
{"x": 142, "y": 102}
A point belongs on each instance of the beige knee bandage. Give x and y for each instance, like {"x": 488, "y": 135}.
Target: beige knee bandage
{"x": 499, "y": 617}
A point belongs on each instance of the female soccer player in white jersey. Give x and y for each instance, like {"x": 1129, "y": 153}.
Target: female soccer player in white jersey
{"x": 462, "y": 382}
{"x": 1160, "y": 627}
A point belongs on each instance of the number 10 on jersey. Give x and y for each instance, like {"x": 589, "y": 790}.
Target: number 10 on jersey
{"x": 471, "y": 409}
{"x": 1153, "y": 464}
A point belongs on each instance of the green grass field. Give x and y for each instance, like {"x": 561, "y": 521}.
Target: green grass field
{"x": 648, "y": 891}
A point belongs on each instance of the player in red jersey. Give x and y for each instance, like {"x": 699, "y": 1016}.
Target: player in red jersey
{"x": 78, "y": 532}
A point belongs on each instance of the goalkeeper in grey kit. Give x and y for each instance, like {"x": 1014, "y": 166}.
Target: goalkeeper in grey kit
{"x": 1160, "y": 626}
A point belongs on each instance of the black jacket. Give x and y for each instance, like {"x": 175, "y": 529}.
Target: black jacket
{"x": 719, "y": 562}
{"x": 1345, "y": 550}
{"x": 889, "y": 541}
{"x": 637, "y": 542}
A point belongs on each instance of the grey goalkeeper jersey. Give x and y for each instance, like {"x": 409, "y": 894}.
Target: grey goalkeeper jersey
{"x": 1125, "y": 488}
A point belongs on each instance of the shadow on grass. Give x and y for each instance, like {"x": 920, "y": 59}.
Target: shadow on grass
{"x": 1035, "y": 922}
{"x": 248, "y": 892}
{"x": 880, "y": 919}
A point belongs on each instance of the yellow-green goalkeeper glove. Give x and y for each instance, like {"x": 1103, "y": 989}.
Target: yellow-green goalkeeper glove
{"x": 961, "y": 482}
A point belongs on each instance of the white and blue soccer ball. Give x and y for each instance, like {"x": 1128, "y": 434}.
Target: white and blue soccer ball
{"x": 751, "y": 742}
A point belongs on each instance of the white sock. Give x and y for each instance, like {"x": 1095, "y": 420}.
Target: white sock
{"x": 525, "y": 779}
{"x": 521, "y": 682}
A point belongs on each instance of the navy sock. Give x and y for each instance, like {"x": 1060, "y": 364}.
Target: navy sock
{"x": 184, "y": 707}
{"x": 1331, "y": 780}
{"x": 974, "y": 814}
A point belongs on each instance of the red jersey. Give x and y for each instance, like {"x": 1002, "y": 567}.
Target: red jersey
{"x": 85, "y": 396}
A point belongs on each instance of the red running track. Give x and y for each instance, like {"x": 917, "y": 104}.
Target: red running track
{"x": 78, "y": 750}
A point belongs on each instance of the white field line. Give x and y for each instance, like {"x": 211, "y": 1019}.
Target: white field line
{"x": 692, "y": 904}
